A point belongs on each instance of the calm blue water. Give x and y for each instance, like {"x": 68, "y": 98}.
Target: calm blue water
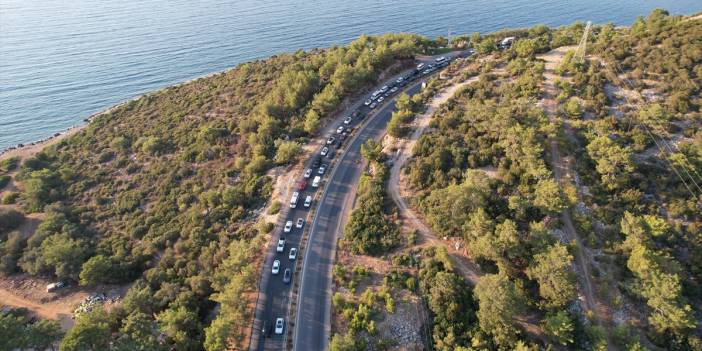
{"x": 62, "y": 60}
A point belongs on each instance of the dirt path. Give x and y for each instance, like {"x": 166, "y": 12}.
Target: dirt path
{"x": 561, "y": 169}
{"x": 462, "y": 264}
{"x": 467, "y": 269}
{"x": 59, "y": 310}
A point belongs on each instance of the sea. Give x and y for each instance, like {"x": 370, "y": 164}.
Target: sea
{"x": 63, "y": 60}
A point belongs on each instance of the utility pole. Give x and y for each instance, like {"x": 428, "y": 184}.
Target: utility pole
{"x": 582, "y": 47}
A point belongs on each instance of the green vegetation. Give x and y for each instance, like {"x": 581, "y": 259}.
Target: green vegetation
{"x": 17, "y": 332}
{"x": 638, "y": 92}
{"x": 644, "y": 204}
{"x": 161, "y": 191}
{"x": 481, "y": 175}
{"x": 10, "y": 219}
{"x": 359, "y": 313}
{"x": 397, "y": 127}
{"x": 370, "y": 229}
{"x": 449, "y": 299}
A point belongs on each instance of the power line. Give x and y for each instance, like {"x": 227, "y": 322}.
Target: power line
{"x": 631, "y": 86}
{"x": 686, "y": 163}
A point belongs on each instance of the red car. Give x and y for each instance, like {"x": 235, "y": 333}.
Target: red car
{"x": 301, "y": 185}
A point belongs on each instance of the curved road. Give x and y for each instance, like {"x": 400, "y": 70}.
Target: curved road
{"x": 312, "y": 323}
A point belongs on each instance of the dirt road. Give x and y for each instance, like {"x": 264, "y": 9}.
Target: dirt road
{"x": 561, "y": 169}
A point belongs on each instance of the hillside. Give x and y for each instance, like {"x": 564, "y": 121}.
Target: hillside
{"x": 575, "y": 187}
{"x": 526, "y": 198}
{"x": 163, "y": 193}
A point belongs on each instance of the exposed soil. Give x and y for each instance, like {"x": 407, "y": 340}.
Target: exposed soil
{"x": 22, "y": 290}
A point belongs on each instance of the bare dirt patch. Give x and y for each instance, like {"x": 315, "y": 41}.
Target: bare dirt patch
{"x": 22, "y": 290}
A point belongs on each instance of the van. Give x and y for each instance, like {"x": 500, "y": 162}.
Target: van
{"x": 293, "y": 199}
{"x": 316, "y": 181}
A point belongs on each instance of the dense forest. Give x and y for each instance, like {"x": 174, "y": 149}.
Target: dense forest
{"x": 628, "y": 115}
{"x": 162, "y": 192}
{"x": 481, "y": 175}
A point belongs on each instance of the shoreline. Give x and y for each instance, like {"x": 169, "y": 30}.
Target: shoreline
{"x": 29, "y": 149}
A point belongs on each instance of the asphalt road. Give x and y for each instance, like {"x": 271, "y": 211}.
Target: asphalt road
{"x": 313, "y": 318}
{"x": 313, "y": 314}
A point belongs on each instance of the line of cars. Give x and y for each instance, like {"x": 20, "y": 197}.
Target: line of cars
{"x": 319, "y": 167}
{"x": 391, "y": 88}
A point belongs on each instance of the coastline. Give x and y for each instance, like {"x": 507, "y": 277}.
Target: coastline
{"x": 31, "y": 148}
{"x": 27, "y": 150}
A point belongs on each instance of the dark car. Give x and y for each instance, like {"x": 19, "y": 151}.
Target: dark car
{"x": 315, "y": 163}
{"x": 287, "y": 275}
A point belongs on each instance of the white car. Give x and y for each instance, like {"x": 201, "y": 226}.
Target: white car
{"x": 373, "y": 105}
{"x": 281, "y": 245}
{"x": 380, "y": 99}
{"x": 368, "y": 102}
{"x": 276, "y": 267}
{"x": 399, "y": 80}
{"x": 384, "y": 88}
{"x": 308, "y": 173}
{"x": 420, "y": 66}
{"x": 300, "y": 223}
{"x": 440, "y": 59}
{"x": 288, "y": 227}
{"x": 340, "y": 130}
{"x": 279, "y": 326}
{"x": 331, "y": 140}
{"x": 394, "y": 89}
{"x": 293, "y": 199}
{"x": 293, "y": 254}
{"x": 347, "y": 120}
{"x": 325, "y": 150}
{"x": 322, "y": 169}
{"x": 316, "y": 181}
{"x": 308, "y": 201}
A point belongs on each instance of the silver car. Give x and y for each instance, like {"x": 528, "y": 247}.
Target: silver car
{"x": 279, "y": 326}
{"x": 276, "y": 267}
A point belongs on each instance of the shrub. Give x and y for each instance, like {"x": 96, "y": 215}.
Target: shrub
{"x": 9, "y": 164}
{"x": 4, "y": 180}
{"x": 10, "y": 198}
{"x": 275, "y": 208}
{"x": 10, "y": 219}
{"x": 287, "y": 153}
